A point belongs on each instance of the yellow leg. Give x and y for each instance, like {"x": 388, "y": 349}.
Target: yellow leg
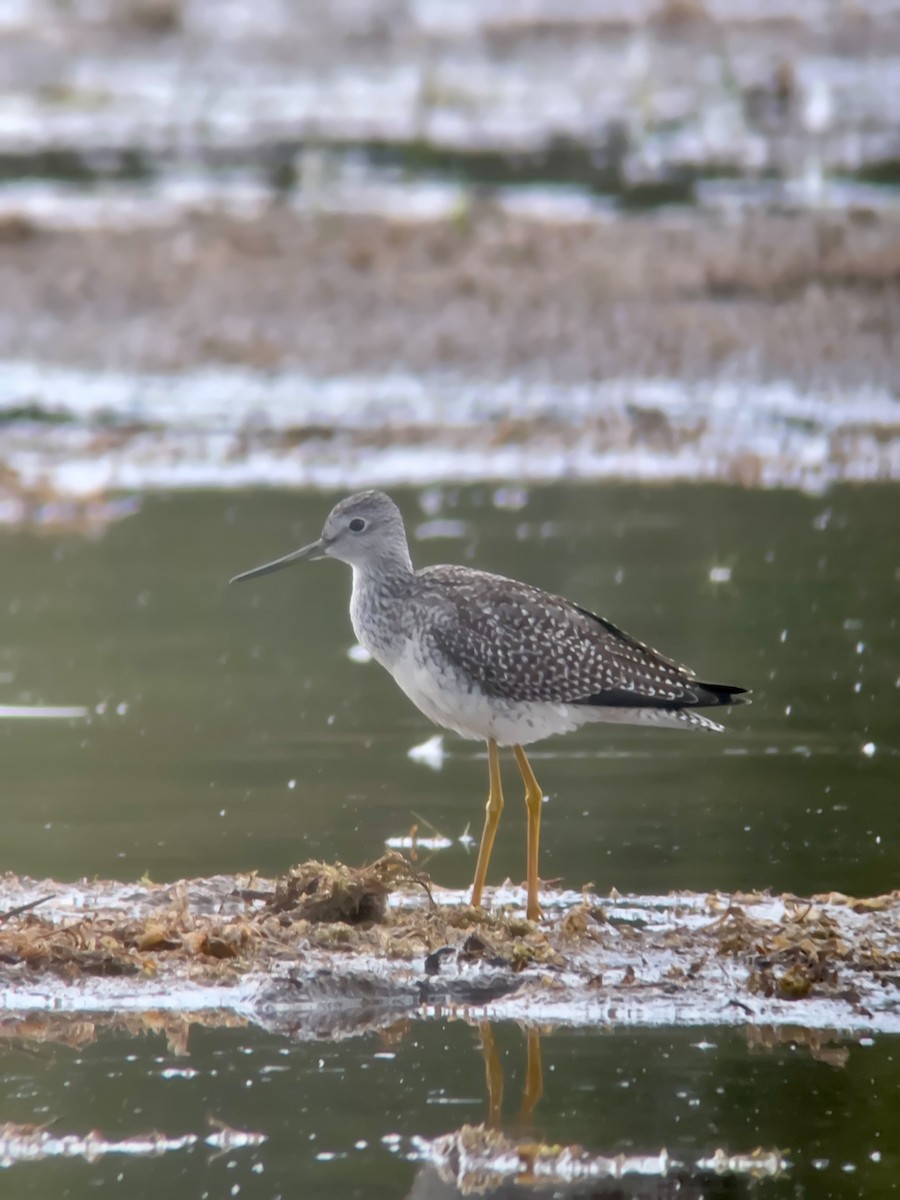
{"x": 491, "y": 821}
{"x": 534, "y": 798}
{"x": 534, "y": 1077}
{"x": 493, "y": 1073}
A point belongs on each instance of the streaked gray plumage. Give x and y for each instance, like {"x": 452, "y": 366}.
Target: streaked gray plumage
{"x": 493, "y": 658}
{"x": 522, "y": 643}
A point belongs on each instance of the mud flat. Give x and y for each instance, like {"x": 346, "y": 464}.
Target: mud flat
{"x": 331, "y": 952}
{"x": 810, "y": 298}
{"x": 298, "y": 351}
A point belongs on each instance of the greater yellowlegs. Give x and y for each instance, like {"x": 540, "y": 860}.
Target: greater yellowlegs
{"x": 495, "y": 659}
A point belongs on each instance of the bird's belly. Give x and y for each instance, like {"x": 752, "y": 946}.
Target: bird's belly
{"x": 455, "y": 703}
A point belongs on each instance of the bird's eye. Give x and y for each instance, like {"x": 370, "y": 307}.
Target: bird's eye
{"x": 357, "y": 525}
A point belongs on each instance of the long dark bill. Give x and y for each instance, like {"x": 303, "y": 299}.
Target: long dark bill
{"x": 312, "y": 551}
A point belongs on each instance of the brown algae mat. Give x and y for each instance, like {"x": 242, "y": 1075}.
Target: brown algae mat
{"x": 330, "y": 950}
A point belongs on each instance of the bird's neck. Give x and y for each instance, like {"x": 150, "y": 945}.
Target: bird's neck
{"x": 392, "y": 569}
{"x": 374, "y": 604}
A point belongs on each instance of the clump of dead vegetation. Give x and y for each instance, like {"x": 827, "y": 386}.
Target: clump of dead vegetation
{"x": 354, "y": 922}
{"x": 319, "y": 892}
{"x": 334, "y": 907}
{"x": 804, "y": 953}
{"x": 319, "y": 905}
{"x": 102, "y": 945}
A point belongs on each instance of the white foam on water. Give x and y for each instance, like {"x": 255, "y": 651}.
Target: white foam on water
{"x": 42, "y": 712}
{"x": 418, "y": 843}
{"x": 431, "y": 753}
{"x": 358, "y": 654}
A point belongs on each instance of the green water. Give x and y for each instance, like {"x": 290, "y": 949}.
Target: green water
{"x": 236, "y": 732}
{"x": 339, "y": 1116}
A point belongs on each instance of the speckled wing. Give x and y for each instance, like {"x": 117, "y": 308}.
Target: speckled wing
{"x": 525, "y": 644}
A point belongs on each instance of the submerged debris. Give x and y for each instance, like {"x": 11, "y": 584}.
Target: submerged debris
{"x": 31, "y": 1143}
{"x": 478, "y": 1159}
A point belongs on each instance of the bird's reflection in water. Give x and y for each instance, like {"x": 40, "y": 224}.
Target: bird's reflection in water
{"x": 504, "y": 1163}
{"x": 493, "y": 1073}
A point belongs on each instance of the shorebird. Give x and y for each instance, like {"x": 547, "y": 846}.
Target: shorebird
{"x": 495, "y": 659}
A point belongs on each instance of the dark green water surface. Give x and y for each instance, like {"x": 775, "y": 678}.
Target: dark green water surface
{"x": 229, "y": 730}
{"x": 339, "y": 1117}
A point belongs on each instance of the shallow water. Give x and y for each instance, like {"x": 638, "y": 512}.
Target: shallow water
{"x": 235, "y": 731}
{"x": 340, "y": 1117}
{"x": 228, "y": 728}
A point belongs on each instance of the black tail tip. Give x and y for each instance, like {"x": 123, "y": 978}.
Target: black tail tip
{"x": 723, "y": 693}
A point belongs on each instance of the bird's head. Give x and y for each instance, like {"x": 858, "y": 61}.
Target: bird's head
{"x": 365, "y": 530}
